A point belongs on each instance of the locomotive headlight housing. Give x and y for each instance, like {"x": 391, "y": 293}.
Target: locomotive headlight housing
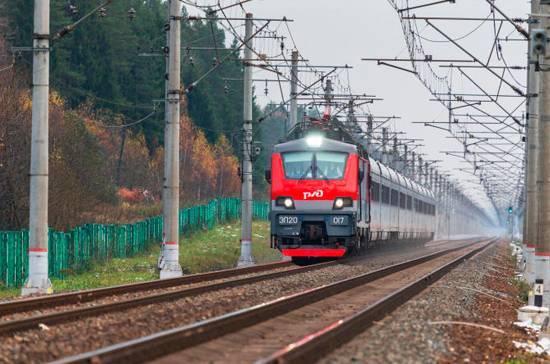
{"x": 341, "y": 202}
{"x": 314, "y": 140}
{"x": 287, "y": 202}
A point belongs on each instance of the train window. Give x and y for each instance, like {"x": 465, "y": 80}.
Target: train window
{"x": 385, "y": 194}
{"x": 319, "y": 165}
{"x": 402, "y": 200}
{"x": 330, "y": 165}
{"x": 409, "y": 203}
{"x": 394, "y": 198}
{"x": 375, "y": 191}
{"x": 434, "y": 211}
{"x": 416, "y": 205}
{"x": 298, "y": 165}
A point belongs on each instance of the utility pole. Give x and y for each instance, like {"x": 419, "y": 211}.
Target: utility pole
{"x": 449, "y": 209}
{"x": 420, "y": 171}
{"x": 427, "y": 174}
{"x": 370, "y": 130}
{"x": 170, "y": 266}
{"x": 413, "y": 166}
{"x": 38, "y": 281}
{"x": 531, "y": 154}
{"x": 405, "y": 160}
{"x": 246, "y": 258}
{"x": 351, "y": 115}
{"x": 395, "y": 155}
{"x": 293, "y": 90}
{"x": 384, "y": 158}
{"x": 542, "y": 249}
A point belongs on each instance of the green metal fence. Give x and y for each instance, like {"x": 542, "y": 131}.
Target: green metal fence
{"x": 76, "y": 249}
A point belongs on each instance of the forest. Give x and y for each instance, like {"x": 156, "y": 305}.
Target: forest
{"x": 106, "y": 113}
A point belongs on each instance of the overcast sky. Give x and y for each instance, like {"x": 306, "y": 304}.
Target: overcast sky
{"x": 329, "y": 32}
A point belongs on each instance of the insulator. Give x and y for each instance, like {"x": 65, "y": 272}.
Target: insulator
{"x": 191, "y": 61}
{"x": 131, "y": 14}
{"x": 102, "y": 12}
{"x": 214, "y": 62}
{"x": 72, "y": 9}
{"x": 226, "y": 89}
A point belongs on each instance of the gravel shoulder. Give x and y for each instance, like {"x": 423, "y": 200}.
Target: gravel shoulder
{"x": 430, "y": 327}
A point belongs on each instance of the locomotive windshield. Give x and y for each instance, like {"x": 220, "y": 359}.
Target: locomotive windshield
{"x": 314, "y": 165}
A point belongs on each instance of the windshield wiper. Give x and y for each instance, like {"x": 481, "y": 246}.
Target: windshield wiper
{"x": 310, "y": 168}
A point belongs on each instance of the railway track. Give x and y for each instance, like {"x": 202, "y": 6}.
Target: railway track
{"x": 49, "y": 303}
{"x": 61, "y": 316}
{"x": 63, "y": 299}
{"x": 301, "y": 319}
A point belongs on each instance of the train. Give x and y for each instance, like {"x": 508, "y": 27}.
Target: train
{"x": 329, "y": 199}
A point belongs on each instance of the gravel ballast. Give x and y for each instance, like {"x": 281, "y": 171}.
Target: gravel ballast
{"x": 49, "y": 343}
{"x": 423, "y": 330}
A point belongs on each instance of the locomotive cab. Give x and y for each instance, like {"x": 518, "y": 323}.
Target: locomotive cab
{"x": 316, "y": 197}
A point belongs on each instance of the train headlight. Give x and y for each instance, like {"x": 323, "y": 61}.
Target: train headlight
{"x": 341, "y": 202}
{"x": 287, "y": 202}
{"x": 314, "y": 140}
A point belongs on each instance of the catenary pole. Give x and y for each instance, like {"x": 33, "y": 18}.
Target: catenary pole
{"x": 531, "y": 154}
{"x": 384, "y": 155}
{"x": 246, "y": 258}
{"x": 370, "y": 131}
{"x": 449, "y": 208}
{"x": 38, "y": 281}
{"x": 171, "y": 266}
{"x": 413, "y": 166}
{"x": 542, "y": 248}
{"x": 427, "y": 174}
{"x": 420, "y": 171}
{"x": 293, "y": 90}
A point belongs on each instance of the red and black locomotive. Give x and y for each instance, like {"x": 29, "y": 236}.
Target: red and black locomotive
{"x": 328, "y": 198}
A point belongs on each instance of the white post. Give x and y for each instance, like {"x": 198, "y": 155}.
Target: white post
{"x": 246, "y": 258}
{"x": 38, "y": 281}
{"x": 170, "y": 267}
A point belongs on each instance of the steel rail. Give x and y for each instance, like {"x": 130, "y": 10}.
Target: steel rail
{"x": 63, "y": 299}
{"x": 314, "y": 346}
{"x": 169, "y": 341}
{"x": 57, "y": 317}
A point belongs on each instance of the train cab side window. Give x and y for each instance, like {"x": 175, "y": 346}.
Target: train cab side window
{"x": 402, "y": 200}
{"x": 394, "y": 198}
{"x": 409, "y": 203}
{"x": 375, "y": 191}
{"x": 385, "y": 194}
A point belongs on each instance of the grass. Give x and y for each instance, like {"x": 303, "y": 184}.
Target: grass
{"x": 214, "y": 249}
